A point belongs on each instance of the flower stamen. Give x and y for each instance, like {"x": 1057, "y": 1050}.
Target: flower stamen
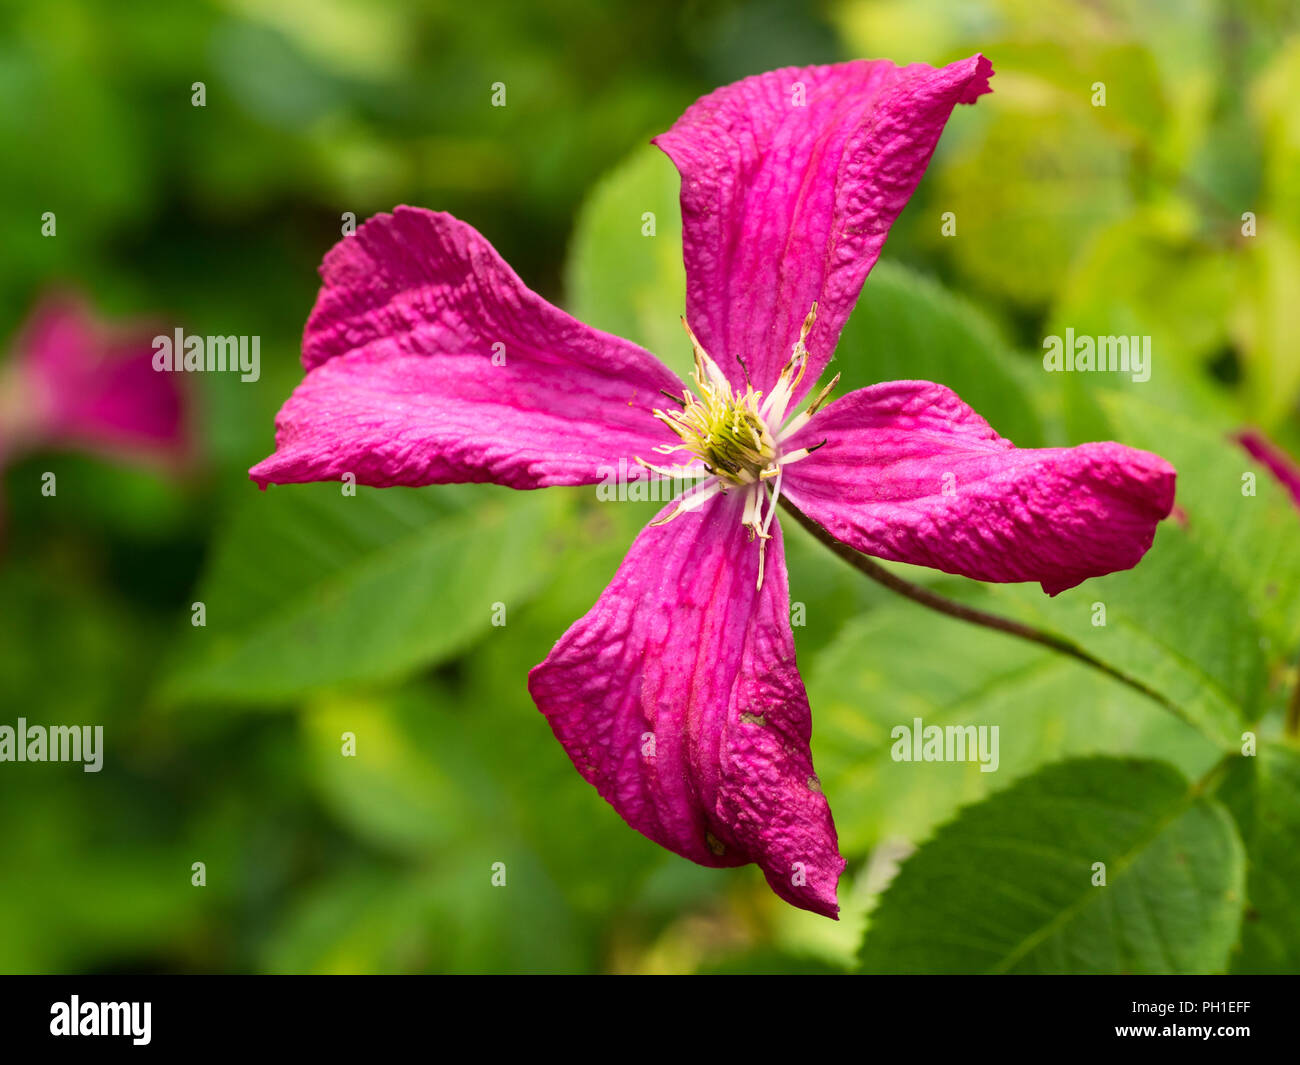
{"x": 729, "y": 431}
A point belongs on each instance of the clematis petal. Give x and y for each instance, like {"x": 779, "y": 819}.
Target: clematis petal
{"x": 678, "y": 697}
{"x": 790, "y": 182}
{"x": 430, "y": 362}
{"x": 1277, "y": 461}
{"x": 77, "y": 382}
{"x": 911, "y": 473}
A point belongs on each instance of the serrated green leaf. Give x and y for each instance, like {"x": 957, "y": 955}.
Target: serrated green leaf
{"x": 901, "y": 662}
{"x": 1176, "y": 624}
{"x": 1012, "y": 884}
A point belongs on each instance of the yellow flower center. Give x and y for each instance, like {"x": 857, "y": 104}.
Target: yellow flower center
{"x": 737, "y": 436}
{"x": 725, "y": 431}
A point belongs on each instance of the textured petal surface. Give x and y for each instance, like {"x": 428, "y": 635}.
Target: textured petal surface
{"x": 678, "y": 697}
{"x": 430, "y": 362}
{"x": 1278, "y": 462}
{"x": 790, "y": 182}
{"x": 83, "y": 384}
{"x": 910, "y": 473}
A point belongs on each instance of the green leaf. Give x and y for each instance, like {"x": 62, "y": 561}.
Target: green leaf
{"x": 618, "y": 277}
{"x": 902, "y": 662}
{"x": 906, "y": 327}
{"x": 309, "y": 588}
{"x": 1264, "y": 796}
{"x": 1175, "y": 623}
{"x": 1011, "y": 884}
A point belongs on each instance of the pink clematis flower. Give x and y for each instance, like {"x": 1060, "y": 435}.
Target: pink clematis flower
{"x": 678, "y": 695}
{"x": 75, "y": 382}
{"x": 1274, "y": 459}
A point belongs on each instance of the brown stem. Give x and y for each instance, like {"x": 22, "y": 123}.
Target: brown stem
{"x": 863, "y": 564}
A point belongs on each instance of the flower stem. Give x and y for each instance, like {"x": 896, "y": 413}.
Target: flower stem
{"x": 865, "y": 565}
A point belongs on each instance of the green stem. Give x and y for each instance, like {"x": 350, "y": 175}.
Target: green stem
{"x": 863, "y": 564}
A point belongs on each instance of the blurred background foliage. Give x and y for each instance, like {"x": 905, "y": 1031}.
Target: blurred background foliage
{"x": 372, "y": 614}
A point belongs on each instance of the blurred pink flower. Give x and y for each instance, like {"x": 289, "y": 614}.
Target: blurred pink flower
{"x": 1278, "y": 462}
{"x": 678, "y": 695}
{"x": 76, "y": 382}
